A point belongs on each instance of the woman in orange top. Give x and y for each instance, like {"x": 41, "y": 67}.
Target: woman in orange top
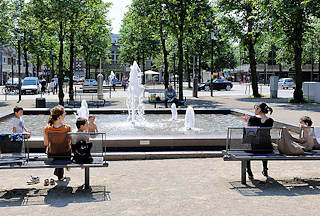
{"x": 56, "y": 139}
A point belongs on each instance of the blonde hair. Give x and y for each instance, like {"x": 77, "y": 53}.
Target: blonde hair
{"x": 55, "y": 113}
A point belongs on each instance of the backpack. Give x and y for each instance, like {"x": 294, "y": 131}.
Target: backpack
{"x": 81, "y": 152}
{"x": 258, "y": 138}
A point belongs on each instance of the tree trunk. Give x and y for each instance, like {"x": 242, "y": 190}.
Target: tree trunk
{"x": 143, "y": 68}
{"x": 298, "y": 94}
{"x": 25, "y": 53}
{"x": 60, "y": 76}
{"x": 38, "y": 65}
{"x": 253, "y": 68}
{"x": 182, "y": 15}
{"x": 71, "y": 65}
{"x": 165, "y": 58}
{"x": 188, "y": 68}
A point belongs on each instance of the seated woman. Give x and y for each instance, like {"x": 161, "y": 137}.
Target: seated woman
{"x": 55, "y": 138}
{"x": 259, "y": 120}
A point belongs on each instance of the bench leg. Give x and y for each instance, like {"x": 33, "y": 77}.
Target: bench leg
{"x": 243, "y": 171}
{"x": 86, "y": 178}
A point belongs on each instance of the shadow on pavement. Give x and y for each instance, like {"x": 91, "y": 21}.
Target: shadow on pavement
{"x": 57, "y": 196}
{"x": 3, "y": 104}
{"x": 272, "y": 187}
{"x": 266, "y": 100}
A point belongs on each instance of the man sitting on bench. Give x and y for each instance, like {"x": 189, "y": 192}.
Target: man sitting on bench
{"x": 170, "y": 96}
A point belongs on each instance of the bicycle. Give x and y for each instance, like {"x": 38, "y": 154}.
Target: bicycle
{"x": 8, "y": 89}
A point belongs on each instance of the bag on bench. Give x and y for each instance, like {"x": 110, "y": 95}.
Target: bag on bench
{"x": 258, "y": 138}
{"x": 11, "y": 143}
{"x": 81, "y": 152}
{"x": 288, "y": 146}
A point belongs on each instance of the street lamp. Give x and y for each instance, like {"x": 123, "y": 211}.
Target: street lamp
{"x": 312, "y": 62}
{"x": 19, "y": 66}
{"x": 52, "y": 66}
{"x": 211, "y": 80}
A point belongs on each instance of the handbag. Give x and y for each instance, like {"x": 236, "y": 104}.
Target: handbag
{"x": 81, "y": 152}
{"x": 258, "y": 138}
{"x": 288, "y": 146}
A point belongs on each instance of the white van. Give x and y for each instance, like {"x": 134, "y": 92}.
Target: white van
{"x": 30, "y": 85}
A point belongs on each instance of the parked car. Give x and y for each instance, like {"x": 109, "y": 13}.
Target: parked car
{"x": 217, "y": 84}
{"x": 30, "y": 85}
{"x": 90, "y": 85}
{"x": 285, "y": 83}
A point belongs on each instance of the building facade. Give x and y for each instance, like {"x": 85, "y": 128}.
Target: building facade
{"x": 9, "y": 64}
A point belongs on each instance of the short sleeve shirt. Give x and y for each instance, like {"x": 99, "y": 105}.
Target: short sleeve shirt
{"x": 255, "y": 121}
{"x": 18, "y": 124}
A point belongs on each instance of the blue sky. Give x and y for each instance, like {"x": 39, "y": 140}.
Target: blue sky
{"x": 117, "y": 11}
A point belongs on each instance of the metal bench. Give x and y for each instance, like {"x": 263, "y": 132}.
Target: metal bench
{"x": 238, "y": 150}
{"x": 23, "y": 160}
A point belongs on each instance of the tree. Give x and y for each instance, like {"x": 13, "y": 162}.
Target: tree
{"x": 137, "y": 35}
{"x": 244, "y": 20}
{"x": 293, "y": 18}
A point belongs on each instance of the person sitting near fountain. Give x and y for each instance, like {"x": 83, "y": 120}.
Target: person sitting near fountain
{"x": 259, "y": 120}
{"x": 170, "y": 96}
{"x": 18, "y": 125}
{"x": 92, "y": 127}
{"x": 56, "y": 139}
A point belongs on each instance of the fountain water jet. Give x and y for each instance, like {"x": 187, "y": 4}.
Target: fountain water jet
{"x": 174, "y": 112}
{"x": 83, "y": 111}
{"x": 189, "y": 119}
{"x": 135, "y": 94}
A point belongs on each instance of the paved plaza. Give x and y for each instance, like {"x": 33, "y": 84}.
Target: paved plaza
{"x": 207, "y": 186}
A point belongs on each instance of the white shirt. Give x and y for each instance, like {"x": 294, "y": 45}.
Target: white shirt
{"x": 18, "y": 124}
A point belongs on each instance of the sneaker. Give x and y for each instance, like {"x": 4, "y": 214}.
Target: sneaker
{"x": 33, "y": 180}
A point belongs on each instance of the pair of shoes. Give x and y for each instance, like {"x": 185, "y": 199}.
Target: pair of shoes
{"x": 33, "y": 180}
{"x": 265, "y": 172}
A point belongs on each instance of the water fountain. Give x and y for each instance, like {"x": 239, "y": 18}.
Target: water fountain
{"x": 135, "y": 95}
{"x": 83, "y": 111}
{"x": 189, "y": 119}
{"x": 174, "y": 112}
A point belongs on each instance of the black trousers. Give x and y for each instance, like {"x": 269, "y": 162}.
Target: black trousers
{"x": 59, "y": 172}
{"x": 264, "y": 163}
{"x": 175, "y": 100}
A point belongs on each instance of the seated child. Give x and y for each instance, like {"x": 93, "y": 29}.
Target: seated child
{"x": 17, "y": 121}
{"x": 307, "y": 133}
{"x": 80, "y": 142}
{"x": 92, "y": 127}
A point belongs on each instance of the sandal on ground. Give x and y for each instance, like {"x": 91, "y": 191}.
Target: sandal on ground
{"x": 52, "y": 182}
{"x": 33, "y": 180}
{"x": 46, "y": 182}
